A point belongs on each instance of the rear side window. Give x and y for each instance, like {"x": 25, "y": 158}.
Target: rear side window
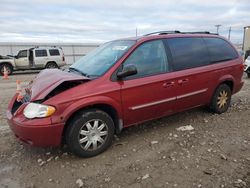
{"x": 188, "y": 53}
{"x": 220, "y": 50}
{"x": 41, "y": 53}
{"x": 54, "y": 52}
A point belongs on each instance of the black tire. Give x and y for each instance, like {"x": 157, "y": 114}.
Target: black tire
{"x": 8, "y": 67}
{"x": 79, "y": 124}
{"x": 248, "y": 75}
{"x": 51, "y": 65}
{"x": 221, "y": 99}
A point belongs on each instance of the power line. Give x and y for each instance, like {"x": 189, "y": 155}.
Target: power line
{"x": 229, "y": 33}
{"x": 217, "y": 26}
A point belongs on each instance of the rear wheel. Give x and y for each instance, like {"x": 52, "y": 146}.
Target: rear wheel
{"x": 90, "y": 133}
{"x": 221, "y": 99}
{"x": 51, "y": 65}
{"x": 8, "y": 67}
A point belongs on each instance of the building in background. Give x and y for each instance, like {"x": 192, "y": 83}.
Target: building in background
{"x": 246, "y": 41}
{"x": 72, "y": 52}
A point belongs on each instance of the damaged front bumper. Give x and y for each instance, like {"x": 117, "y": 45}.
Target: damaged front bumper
{"x": 37, "y": 132}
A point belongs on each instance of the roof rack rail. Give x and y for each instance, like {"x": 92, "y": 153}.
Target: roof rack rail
{"x": 162, "y": 33}
{"x": 179, "y": 32}
{"x": 199, "y": 32}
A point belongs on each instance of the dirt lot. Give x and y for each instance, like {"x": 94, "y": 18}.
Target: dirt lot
{"x": 215, "y": 154}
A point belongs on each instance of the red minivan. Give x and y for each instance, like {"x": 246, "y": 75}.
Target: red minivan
{"x": 126, "y": 82}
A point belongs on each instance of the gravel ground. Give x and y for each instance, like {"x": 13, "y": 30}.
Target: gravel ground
{"x": 154, "y": 154}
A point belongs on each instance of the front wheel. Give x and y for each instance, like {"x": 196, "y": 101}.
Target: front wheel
{"x": 8, "y": 67}
{"x": 90, "y": 133}
{"x": 221, "y": 99}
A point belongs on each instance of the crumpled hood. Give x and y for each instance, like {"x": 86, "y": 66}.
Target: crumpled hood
{"x": 49, "y": 79}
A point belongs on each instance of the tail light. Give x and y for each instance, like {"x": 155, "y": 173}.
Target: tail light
{"x": 242, "y": 66}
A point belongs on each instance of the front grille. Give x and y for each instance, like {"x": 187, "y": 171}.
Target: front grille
{"x": 16, "y": 105}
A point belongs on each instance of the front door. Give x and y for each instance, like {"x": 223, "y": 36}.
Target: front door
{"x": 22, "y": 60}
{"x": 151, "y": 92}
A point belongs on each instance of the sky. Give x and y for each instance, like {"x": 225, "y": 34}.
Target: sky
{"x": 98, "y": 21}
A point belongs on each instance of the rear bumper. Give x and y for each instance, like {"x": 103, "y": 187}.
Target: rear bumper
{"x": 36, "y": 132}
{"x": 63, "y": 63}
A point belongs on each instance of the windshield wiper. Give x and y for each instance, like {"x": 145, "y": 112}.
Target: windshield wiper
{"x": 79, "y": 71}
{"x": 93, "y": 76}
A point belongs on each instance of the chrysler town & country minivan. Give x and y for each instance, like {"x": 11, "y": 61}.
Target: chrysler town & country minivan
{"x": 123, "y": 83}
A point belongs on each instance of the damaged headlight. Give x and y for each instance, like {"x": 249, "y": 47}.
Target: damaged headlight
{"x": 34, "y": 110}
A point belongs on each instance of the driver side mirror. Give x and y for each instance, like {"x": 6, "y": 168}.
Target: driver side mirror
{"x": 128, "y": 70}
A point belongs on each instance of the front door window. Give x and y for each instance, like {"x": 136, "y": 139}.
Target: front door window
{"x": 149, "y": 58}
{"x": 22, "y": 54}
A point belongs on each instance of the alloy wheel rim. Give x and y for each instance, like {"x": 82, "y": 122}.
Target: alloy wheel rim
{"x": 222, "y": 99}
{"x": 93, "y": 134}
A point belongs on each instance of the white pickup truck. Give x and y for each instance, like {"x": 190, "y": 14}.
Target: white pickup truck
{"x": 33, "y": 58}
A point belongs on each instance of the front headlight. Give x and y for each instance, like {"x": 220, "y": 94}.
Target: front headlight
{"x": 34, "y": 110}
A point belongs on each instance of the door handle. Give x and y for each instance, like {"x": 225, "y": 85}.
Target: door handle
{"x": 168, "y": 84}
{"x": 184, "y": 81}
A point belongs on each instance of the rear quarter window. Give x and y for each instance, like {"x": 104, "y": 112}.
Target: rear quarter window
{"x": 188, "y": 52}
{"x": 220, "y": 50}
{"x": 41, "y": 53}
{"x": 54, "y": 52}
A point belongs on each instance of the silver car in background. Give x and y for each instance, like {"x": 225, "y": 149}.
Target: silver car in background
{"x": 247, "y": 66}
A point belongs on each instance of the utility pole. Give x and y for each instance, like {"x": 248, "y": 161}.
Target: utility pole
{"x": 136, "y": 31}
{"x": 217, "y": 26}
{"x": 229, "y": 33}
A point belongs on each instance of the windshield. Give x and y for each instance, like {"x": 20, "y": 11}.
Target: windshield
{"x": 101, "y": 59}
